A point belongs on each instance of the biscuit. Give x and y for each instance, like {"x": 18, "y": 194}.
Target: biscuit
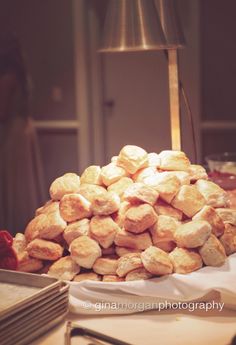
{"x": 46, "y": 226}
{"x": 164, "y": 229}
{"x": 128, "y": 263}
{"x": 192, "y": 234}
{"x": 138, "y": 274}
{"x": 119, "y": 217}
{"x": 167, "y": 246}
{"x": 164, "y": 209}
{"x": 121, "y": 251}
{"x": 76, "y": 229}
{"x": 112, "y": 173}
{"x": 44, "y": 250}
{"x": 189, "y": 200}
{"x": 87, "y": 276}
{"x": 185, "y": 260}
{"x": 156, "y": 261}
{"x": 114, "y": 159}
{"x": 105, "y": 266}
{"x": 165, "y": 183}
{"x": 197, "y": 172}
{"x": 132, "y": 158}
{"x": 66, "y": 184}
{"x": 174, "y": 160}
{"x": 120, "y": 186}
{"x": 182, "y": 176}
{"x": 64, "y": 269}
{"x": 228, "y": 215}
{"x": 228, "y": 239}
{"x": 139, "y": 218}
{"x": 74, "y": 207}
{"x": 90, "y": 191}
{"x": 209, "y": 214}
{"x": 212, "y": 252}
{"x": 28, "y": 264}
{"x": 19, "y": 243}
{"x": 50, "y": 206}
{"x": 125, "y": 239}
{"x": 92, "y": 175}
{"x": 85, "y": 251}
{"x": 141, "y": 174}
{"x": 105, "y": 204}
{"x": 103, "y": 229}
{"x": 140, "y": 193}
{"x": 154, "y": 160}
{"x": 215, "y": 196}
{"x": 112, "y": 278}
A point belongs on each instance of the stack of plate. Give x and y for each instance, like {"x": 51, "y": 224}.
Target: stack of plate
{"x": 30, "y": 304}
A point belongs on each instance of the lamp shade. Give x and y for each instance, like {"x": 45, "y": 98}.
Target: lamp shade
{"x": 132, "y": 25}
{"x": 170, "y": 23}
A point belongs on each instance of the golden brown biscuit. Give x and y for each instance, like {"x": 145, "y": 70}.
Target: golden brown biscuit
{"x": 28, "y": 264}
{"x": 87, "y": 276}
{"x": 50, "y": 206}
{"x": 112, "y": 173}
{"x": 103, "y": 229}
{"x": 132, "y": 158}
{"x": 114, "y": 159}
{"x": 192, "y": 234}
{"x": 126, "y": 239}
{"x": 197, "y": 172}
{"x": 76, "y": 229}
{"x": 139, "y": 218}
{"x": 19, "y": 242}
{"x": 138, "y": 274}
{"x": 154, "y": 160}
{"x": 74, "y": 207}
{"x": 85, "y": 251}
{"x": 164, "y": 229}
{"x": 112, "y": 278}
{"x": 128, "y": 263}
{"x": 174, "y": 160}
{"x": 215, "y": 196}
{"x": 209, "y": 214}
{"x": 140, "y": 193}
{"x": 165, "y": 183}
{"x": 167, "y": 246}
{"x": 228, "y": 240}
{"x": 119, "y": 217}
{"x": 90, "y": 191}
{"x": 44, "y": 250}
{"x": 212, "y": 252}
{"x": 182, "y": 176}
{"x": 189, "y": 200}
{"x": 228, "y": 215}
{"x": 47, "y": 226}
{"x": 64, "y": 269}
{"x": 164, "y": 209}
{"x": 141, "y": 174}
{"x": 92, "y": 175}
{"x": 185, "y": 260}
{"x": 156, "y": 261}
{"x": 121, "y": 251}
{"x": 66, "y": 184}
{"x": 105, "y": 204}
{"x": 105, "y": 266}
{"x": 120, "y": 186}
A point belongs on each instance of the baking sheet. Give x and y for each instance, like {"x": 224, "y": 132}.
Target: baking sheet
{"x": 19, "y": 290}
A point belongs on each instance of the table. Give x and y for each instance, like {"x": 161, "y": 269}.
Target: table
{"x": 167, "y": 327}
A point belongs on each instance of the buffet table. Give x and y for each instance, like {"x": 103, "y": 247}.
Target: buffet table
{"x": 152, "y": 327}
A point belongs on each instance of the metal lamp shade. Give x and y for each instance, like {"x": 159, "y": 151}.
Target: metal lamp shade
{"x": 132, "y": 25}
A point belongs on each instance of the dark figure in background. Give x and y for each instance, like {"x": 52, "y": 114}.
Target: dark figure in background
{"x": 21, "y": 181}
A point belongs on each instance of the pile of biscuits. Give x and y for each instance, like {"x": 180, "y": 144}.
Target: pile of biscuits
{"x": 142, "y": 215}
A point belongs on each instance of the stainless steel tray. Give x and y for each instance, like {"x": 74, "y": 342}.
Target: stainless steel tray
{"x": 19, "y": 290}
{"x": 27, "y": 315}
{"x": 42, "y": 324}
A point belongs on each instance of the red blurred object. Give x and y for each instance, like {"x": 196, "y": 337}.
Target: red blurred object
{"x": 226, "y": 181}
{"x": 8, "y": 257}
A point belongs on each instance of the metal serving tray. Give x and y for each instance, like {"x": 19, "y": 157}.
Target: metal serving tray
{"x": 19, "y": 290}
